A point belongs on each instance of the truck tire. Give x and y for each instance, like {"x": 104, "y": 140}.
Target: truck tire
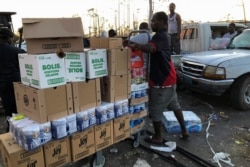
{"x": 240, "y": 93}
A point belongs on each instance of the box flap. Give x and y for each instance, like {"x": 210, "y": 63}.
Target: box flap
{"x": 52, "y": 27}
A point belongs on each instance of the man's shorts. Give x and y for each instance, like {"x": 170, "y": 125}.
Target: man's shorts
{"x": 160, "y": 100}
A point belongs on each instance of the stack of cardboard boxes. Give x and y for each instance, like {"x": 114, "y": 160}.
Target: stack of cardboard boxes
{"x": 138, "y": 106}
{"x": 139, "y": 89}
{"x": 115, "y": 87}
{"x": 43, "y": 94}
{"x": 61, "y": 79}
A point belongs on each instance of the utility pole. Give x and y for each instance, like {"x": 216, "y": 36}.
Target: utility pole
{"x": 244, "y": 12}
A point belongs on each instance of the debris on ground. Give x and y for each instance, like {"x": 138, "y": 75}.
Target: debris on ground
{"x": 222, "y": 115}
{"x": 113, "y": 150}
{"x": 155, "y": 156}
{"x": 141, "y": 163}
{"x": 130, "y": 153}
{"x": 238, "y": 142}
{"x": 244, "y": 128}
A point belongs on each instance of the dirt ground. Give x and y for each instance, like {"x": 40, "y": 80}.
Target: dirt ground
{"x": 224, "y": 131}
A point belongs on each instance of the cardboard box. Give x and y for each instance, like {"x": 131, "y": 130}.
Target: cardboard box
{"x": 118, "y": 61}
{"x": 75, "y": 65}
{"x": 192, "y": 122}
{"x": 96, "y": 63}
{"x": 138, "y": 87}
{"x": 42, "y": 71}
{"x": 43, "y": 105}
{"x": 57, "y": 152}
{"x": 115, "y": 88}
{"x": 105, "y": 43}
{"x": 138, "y": 115}
{"x": 82, "y": 144}
{"x": 15, "y": 156}
{"x": 86, "y": 94}
{"x": 45, "y": 35}
{"x": 103, "y": 135}
{"x": 2, "y": 136}
{"x": 140, "y": 100}
{"x": 121, "y": 128}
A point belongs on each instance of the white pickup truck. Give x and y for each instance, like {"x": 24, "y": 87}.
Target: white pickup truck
{"x": 216, "y": 72}
{"x": 196, "y": 37}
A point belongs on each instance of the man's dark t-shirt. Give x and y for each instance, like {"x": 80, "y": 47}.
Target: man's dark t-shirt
{"x": 9, "y": 59}
{"x": 162, "y": 71}
{"x": 9, "y": 73}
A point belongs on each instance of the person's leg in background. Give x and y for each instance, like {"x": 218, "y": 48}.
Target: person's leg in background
{"x": 8, "y": 100}
{"x": 176, "y": 44}
{"x": 172, "y": 43}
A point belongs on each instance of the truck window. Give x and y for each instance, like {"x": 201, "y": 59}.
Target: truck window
{"x": 191, "y": 33}
{"x": 188, "y": 33}
{"x": 195, "y": 33}
{"x": 218, "y": 31}
{"x": 182, "y": 35}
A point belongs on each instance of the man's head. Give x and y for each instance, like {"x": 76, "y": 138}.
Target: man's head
{"x": 143, "y": 26}
{"x": 172, "y": 7}
{"x": 159, "y": 21}
{"x": 6, "y": 35}
{"x": 231, "y": 27}
{"x": 112, "y": 33}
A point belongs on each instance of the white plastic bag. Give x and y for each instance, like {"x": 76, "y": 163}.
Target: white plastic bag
{"x": 170, "y": 146}
{"x": 141, "y": 163}
{"x": 219, "y": 43}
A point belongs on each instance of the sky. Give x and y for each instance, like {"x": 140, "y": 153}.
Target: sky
{"x": 196, "y": 10}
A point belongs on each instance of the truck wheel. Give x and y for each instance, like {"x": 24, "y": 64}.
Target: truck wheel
{"x": 240, "y": 93}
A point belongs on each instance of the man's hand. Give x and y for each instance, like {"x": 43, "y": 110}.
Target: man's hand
{"x": 133, "y": 46}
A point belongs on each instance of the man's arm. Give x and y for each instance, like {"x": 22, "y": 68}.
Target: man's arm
{"x": 148, "y": 48}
